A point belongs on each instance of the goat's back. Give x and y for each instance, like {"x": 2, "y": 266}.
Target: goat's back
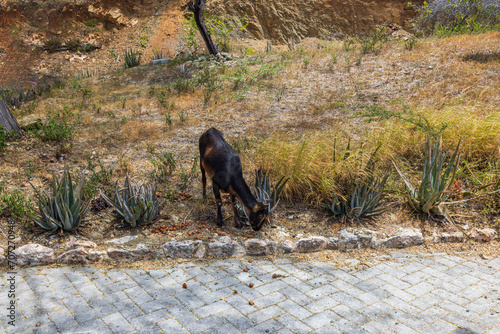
{"x": 217, "y": 156}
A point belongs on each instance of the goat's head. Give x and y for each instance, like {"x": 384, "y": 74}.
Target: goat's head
{"x": 258, "y": 216}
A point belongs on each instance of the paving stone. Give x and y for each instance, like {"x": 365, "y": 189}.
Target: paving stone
{"x": 171, "y": 326}
{"x": 117, "y": 323}
{"x": 149, "y": 319}
{"x": 405, "y": 293}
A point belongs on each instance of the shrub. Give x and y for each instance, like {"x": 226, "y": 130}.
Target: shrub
{"x": 52, "y": 44}
{"x": 57, "y": 129}
{"x": 65, "y": 208}
{"x": 3, "y": 138}
{"x": 135, "y": 204}
{"x": 164, "y": 165}
{"x": 447, "y": 17}
{"x": 90, "y": 23}
{"x": 19, "y": 205}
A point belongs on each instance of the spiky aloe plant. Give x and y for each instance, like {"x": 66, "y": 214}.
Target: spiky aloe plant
{"x": 362, "y": 200}
{"x": 63, "y": 209}
{"x": 132, "y": 58}
{"x": 363, "y": 193}
{"x": 436, "y": 182}
{"x": 265, "y": 192}
{"x": 135, "y": 204}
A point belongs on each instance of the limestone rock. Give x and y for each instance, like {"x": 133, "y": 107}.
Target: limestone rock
{"x": 286, "y": 247}
{"x": 113, "y": 15}
{"x": 309, "y": 245}
{"x": 184, "y": 249}
{"x": 279, "y": 20}
{"x": 333, "y": 244}
{"x": 33, "y": 255}
{"x": 76, "y": 243}
{"x": 2, "y": 257}
{"x": 348, "y": 240}
{"x": 79, "y": 256}
{"x": 448, "y": 237}
{"x": 224, "y": 247}
{"x": 483, "y": 235}
{"x": 406, "y": 238}
{"x": 138, "y": 254}
{"x": 257, "y": 247}
{"x": 123, "y": 240}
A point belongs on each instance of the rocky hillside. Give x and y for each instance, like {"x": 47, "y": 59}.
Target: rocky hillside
{"x": 279, "y": 20}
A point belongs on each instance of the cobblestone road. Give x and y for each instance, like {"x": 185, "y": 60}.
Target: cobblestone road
{"x": 406, "y": 294}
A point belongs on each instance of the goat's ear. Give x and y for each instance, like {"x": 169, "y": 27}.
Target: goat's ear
{"x": 259, "y": 207}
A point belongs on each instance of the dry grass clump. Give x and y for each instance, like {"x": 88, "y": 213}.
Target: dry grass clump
{"x": 317, "y": 164}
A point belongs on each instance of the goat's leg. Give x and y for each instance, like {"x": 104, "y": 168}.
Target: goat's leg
{"x": 237, "y": 219}
{"x": 219, "y": 204}
{"x": 203, "y": 180}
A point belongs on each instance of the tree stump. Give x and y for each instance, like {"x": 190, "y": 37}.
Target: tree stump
{"x": 8, "y": 121}
{"x": 197, "y": 8}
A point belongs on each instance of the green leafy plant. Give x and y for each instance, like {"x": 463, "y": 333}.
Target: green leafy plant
{"x": 157, "y": 54}
{"x": 101, "y": 176}
{"x": 410, "y": 43}
{"x": 3, "y": 138}
{"x": 164, "y": 165}
{"x": 18, "y": 204}
{"x": 373, "y": 43}
{"x": 52, "y": 45}
{"x": 64, "y": 208}
{"x": 57, "y": 128}
{"x": 135, "y": 204}
{"x": 132, "y": 58}
{"x": 436, "y": 181}
{"x": 362, "y": 194}
{"x": 90, "y": 23}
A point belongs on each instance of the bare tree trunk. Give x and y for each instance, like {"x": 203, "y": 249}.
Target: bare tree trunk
{"x": 7, "y": 120}
{"x": 197, "y": 8}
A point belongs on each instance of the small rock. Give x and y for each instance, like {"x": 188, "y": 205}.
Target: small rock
{"x": 2, "y": 257}
{"x": 406, "y": 238}
{"x": 309, "y": 245}
{"x": 184, "y": 249}
{"x": 75, "y": 243}
{"x": 450, "y": 237}
{"x": 348, "y": 240}
{"x": 298, "y": 236}
{"x": 256, "y": 247}
{"x": 222, "y": 248}
{"x": 286, "y": 247}
{"x": 33, "y": 255}
{"x": 483, "y": 235}
{"x": 282, "y": 234}
{"x": 160, "y": 61}
{"x": 333, "y": 244}
{"x": 79, "y": 256}
{"x": 123, "y": 240}
{"x": 138, "y": 254}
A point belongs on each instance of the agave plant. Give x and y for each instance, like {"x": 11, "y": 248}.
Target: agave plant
{"x": 265, "y": 192}
{"x": 63, "y": 209}
{"x": 132, "y": 58}
{"x": 363, "y": 192}
{"x": 362, "y": 200}
{"x": 135, "y": 204}
{"x": 436, "y": 182}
